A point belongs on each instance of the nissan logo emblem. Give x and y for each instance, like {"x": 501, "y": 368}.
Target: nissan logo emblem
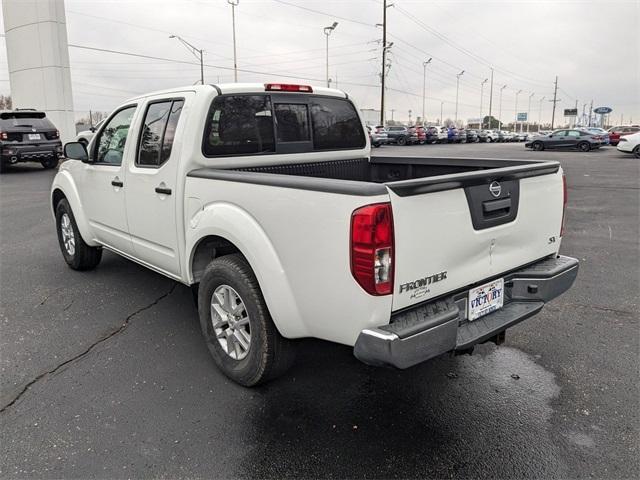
{"x": 495, "y": 189}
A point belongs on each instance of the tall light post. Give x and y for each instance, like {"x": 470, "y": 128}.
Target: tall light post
{"x": 327, "y": 32}
{"x": 499, "y": 111}
{"x": 234, "y": 4}
{"x": 540, "y": 113}
{"x": 528, "y": 113}
{"x": 424, "y": 86}
{"x": 515, "y": 123}
{"x": 197, "y": 52}
{"x": 457, "y": 91}
{"x": 481, "y": 94}
{"x": 441, "y": 110}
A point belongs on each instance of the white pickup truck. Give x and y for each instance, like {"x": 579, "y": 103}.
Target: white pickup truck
{"x": 264, "y": 198}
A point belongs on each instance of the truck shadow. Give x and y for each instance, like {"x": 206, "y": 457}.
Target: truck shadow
{"x": 454, "y": 416}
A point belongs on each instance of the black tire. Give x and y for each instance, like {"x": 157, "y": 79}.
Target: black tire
{"x": 584, "y": 146}
{"x": 269, "y": 354}
{"x": 50, "y": 163}
{"x": 489, "y": 140}
{"x": 537, "y": 146}
{"x": 402, "y": 141}
{"x": 376, "y": 145}
{"x": 636, "y": 151}
{"x": 83, "y": 257}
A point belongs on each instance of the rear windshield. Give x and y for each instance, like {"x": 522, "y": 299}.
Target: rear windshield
{"x": 25, "y": 119}
{"x": 258, "y": 124}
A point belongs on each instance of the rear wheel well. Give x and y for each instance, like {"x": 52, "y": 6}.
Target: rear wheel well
{"x": 56, "y": 197}
{"x": 206, "y": 250}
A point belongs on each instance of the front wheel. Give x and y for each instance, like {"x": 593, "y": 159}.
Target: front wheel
{"x": 402, "y": 141}
{"x": 636, "y": 151}
{"x": 584, "y": 146}
{"x": 537, "y": 146}
{"x": 237, "y": 326}
{"x": 77, "y": 254}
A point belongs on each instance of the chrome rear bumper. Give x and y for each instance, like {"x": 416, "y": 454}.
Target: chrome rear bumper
{"x": 431, "y": 329}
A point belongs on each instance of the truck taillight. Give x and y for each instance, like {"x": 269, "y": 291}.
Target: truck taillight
{"x": 372, "y": 248}
{"x": 565, "y": 199}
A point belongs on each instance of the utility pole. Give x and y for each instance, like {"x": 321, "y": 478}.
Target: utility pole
{"x": 410, "y": 117}
{"x": 515, "y": 124}
{"x": 197, "y": 52}
{"x": 583, "y": 118}
{"x": 555, "y": 101}
{"x": 424, "y": 87}
{"x": 327, "y": 32}
{"x": 441, "y": 107}
{"x": 234, "y": 4}
{"x": 457, "y": 91}
{"x": 490, "y": 98}
{"x": 540, "y": 113}
{"x": 480, "y": 123}
{"x": 392, "y": 112}
{"x": 528, "y": 113}
{"x": 384, "y": 58}
{"x": 499, "y": 111}
{"x": 590, "y": 110}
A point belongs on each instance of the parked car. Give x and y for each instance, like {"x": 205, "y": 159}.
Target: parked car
{"x": 630, "y": 144}
{"x": 399, "y": 135}
{"x": 433, "y": 134}
{"x": 580, "y": 139}
{"x": 462, "y": 135}
{"x": 378, "y": 136}
{"x": 189, "y": 183}
{"x": 443, "y": 134}
{"x": 472, "y": 136}
{"x": 453, "y": 136}
{"x": 27, "y": 135}
{"x": 492, "y": 136}
{"x": 599, "y": 131}
{"x": 420, "y": 134}
{"x": 520, "y": 136}
{"x": 507, "y": 136}
{"x": 85, "y": 136}
{"x": 616, "y": 132}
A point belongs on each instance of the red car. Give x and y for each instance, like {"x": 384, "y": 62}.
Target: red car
{"x": 616, "y": 132}
{"x": 421, "y": 133}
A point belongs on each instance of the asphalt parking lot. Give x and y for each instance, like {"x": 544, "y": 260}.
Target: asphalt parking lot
{"x": 104, "y": 374}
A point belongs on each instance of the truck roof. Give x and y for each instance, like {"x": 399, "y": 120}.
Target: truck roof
{"x": 225, "y": 88}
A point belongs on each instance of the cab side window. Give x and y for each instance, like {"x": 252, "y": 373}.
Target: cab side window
{"x": 573, "y": 133}
{"x": 113, "y": 137}
{"x": 158, "y": 131}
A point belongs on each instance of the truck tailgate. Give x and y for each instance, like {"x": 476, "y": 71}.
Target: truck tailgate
{"x": 452, "y": 233}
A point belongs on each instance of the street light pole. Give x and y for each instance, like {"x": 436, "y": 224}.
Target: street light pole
{"x": 457, "y": 91}
{"x": 234, "y": 4}
{"x": 197, "y": 52}
{"x": 441, "y": 109}
{"x": 515, "y": 124}
{"x": 424, "y": 86}
{"x": 528, "y": 113}
{"x": 327, "y": 32}
{"x": 499, "y": 111}
{"x": 480, "y": 123}
{"x": 540, "y": 113}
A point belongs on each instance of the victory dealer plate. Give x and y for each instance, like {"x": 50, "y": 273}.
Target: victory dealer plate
{"x": 485, "y": 299}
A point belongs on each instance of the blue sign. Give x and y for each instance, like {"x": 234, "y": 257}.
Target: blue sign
{"x": 602, "y": 110}
{"x": 522, "y": 117}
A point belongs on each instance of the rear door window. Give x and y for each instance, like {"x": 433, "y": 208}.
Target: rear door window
{"x": 158, "y": 130}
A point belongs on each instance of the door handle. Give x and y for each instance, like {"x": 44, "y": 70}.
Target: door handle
{"x": 163, "y": 190}
{"x": 117, "y": 183}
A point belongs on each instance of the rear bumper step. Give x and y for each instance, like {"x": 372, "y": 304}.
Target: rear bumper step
{"x": 432, "y": 329}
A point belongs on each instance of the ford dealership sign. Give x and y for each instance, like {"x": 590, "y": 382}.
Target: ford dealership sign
{"x": 602, "y": 110}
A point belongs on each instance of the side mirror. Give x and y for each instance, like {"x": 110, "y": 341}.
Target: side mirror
{"x": 76, "y": 151}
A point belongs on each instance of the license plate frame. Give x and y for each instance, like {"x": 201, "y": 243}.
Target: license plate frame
{"x": 485, "y": 299}
{"x": 33, "y": 136}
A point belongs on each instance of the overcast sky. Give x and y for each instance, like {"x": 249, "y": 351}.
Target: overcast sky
{"x": 593, "y": 46}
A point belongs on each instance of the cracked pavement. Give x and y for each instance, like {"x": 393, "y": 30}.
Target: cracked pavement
{"x": 104, "y": 374}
